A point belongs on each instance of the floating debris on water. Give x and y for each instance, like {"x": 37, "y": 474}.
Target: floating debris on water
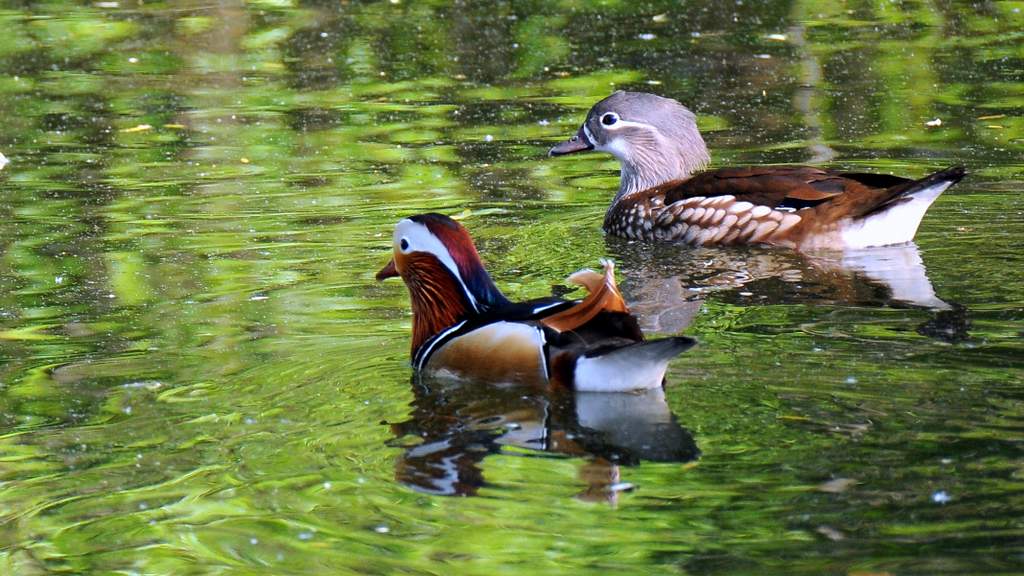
{"x": 934, "y": 123}
{"x": 836, "y": 485}
{"x": 830, "y": 533}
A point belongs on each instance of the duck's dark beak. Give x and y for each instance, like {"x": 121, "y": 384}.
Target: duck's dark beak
{"x": 578, "y": 143}
{"x": 388, "y": 271}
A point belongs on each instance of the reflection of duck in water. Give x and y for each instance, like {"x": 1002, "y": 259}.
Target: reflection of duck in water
{"x": 459, "y": 423}
{"x": 665, "y": 194}
{"x": 463, "y": 325}
{"x": 665, "y": 287}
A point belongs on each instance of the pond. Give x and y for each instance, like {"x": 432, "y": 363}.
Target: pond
{"x": 200, "y": 375}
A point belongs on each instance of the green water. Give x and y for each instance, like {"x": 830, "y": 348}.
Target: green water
{"x": 199, "y": 375}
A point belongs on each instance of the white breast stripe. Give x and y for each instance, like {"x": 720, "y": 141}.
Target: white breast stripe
{"x": 544, "y": 353}
{"x": 428, "y": 348}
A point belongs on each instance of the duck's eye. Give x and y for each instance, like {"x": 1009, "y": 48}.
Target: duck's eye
{"x": 609, "y": 118}
{"x": 404, "y": 244}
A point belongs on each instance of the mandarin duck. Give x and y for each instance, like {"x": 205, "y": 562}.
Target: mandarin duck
{"x": 464, "y": 326}
{"x": 665, "y": 193}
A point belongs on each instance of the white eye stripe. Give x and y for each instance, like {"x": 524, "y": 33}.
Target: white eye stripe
{"x": 422, "y": 240}
{"x": 626, "y": 123}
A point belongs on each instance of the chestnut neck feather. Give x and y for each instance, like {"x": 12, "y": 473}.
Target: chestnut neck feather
{"x": 437, "y": 298}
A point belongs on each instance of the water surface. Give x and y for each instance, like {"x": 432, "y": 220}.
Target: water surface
{"x": 199, "y": 375}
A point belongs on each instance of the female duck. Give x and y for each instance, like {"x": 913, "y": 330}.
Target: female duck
{"x": 665, "y": 195}
{"x": 462, "y": 324}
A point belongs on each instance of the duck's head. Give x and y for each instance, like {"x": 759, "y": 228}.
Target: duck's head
{"x": 655, "y": 139}
{"x": 440, "y": 266}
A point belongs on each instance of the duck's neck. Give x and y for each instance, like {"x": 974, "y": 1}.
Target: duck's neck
{"x": 437, "y": 303}
{"x": 440, "y": 301}
{"x": 656, "y": 163}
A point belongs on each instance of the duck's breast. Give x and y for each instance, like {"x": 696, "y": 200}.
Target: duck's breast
{"x": 498, "y": 352}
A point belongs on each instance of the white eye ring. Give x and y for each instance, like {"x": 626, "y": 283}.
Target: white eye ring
{"x": 609, "y": 118}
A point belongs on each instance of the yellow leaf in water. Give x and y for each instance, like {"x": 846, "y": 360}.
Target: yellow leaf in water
{"x": 139, "y": 128}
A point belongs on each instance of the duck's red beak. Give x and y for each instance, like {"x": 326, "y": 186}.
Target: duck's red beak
{"x": 388, "y": 271}
{"x": 578, "y": 143}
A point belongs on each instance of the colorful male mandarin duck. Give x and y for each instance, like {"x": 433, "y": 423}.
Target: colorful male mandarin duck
{"x": 463, "y": 326}
{"x": 665, "y": 193}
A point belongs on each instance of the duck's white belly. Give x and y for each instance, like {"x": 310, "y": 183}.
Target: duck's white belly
{"x": 501, "y": 352}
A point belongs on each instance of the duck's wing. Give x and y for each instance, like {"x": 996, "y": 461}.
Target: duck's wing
{"x": 792, "y": 187}
{"x": 783, "y": 205}
{"x": 603, "y": 297}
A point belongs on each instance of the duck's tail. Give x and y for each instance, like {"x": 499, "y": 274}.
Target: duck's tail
{"x": 895, "y": 220}
{"x": 635, "y": 367}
